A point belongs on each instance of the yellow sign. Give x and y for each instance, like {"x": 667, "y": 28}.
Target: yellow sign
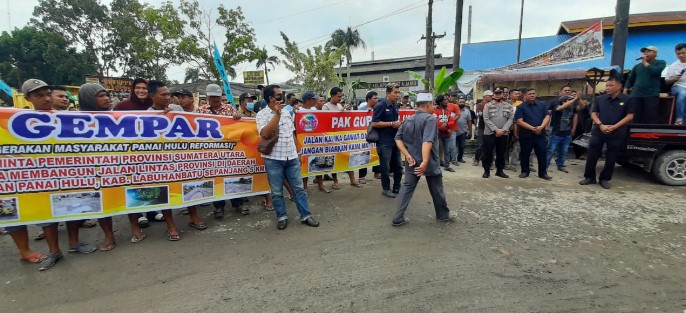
{"x": 253, "y": 77}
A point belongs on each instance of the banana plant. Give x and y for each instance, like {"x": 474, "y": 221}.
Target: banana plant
{"x": 354, "y": 85}
{"x": 441, "y": 83}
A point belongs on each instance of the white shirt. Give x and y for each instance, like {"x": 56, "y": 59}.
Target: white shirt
{"x": 363, "y": 106}
{"x": 304, "y": 109}
{"x": 332, "y": 107}
{"x": 284, "y": 149}
{"x": 674, "y": 70}
{"x": 172, "y": 107}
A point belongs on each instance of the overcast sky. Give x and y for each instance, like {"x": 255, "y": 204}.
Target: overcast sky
{"x": 310, "y": 22}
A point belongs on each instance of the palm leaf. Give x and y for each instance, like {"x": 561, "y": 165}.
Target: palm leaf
{"x": 419, "y": 77}
{"x": 449, "y": 81}
{"x": 439, "y": 78}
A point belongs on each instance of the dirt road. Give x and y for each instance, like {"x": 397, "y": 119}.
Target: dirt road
{"x": 520, "y": 245}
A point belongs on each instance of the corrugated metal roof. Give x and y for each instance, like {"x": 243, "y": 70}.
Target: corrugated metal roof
{"x": 635, "y": 20}
{"x": 488, "y": 55}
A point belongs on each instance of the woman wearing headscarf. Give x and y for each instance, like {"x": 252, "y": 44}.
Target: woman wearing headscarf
{"x": 94, "y": 98}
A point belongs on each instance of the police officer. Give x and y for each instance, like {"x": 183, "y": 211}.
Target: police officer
{"x": 611, "y": 113}
{"x": 498, "y": 117}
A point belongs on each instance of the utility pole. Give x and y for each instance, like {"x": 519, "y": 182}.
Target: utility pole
{"x": 620, "y": 33}
{"x": 9, "y": 18}
{"x": 431, "y": 59}
{"x": 429, "y": 72}
{"x": 519, "y": 41}
{"x": 458, "y": 34}
{"x": 469, "y": 26}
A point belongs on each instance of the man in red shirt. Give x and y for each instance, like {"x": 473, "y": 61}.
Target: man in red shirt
{"x": 447, "y": 131}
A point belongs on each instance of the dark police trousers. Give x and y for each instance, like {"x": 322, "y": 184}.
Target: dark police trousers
{"x": 435, "y": 184}
{"x": 500, "y": 145}
{"x": 538, "y": 144}
{"x": 614, "y": 143}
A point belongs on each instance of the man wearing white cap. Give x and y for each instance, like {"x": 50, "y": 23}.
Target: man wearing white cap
{"x": 417, "y": 140}
{"x": 644, "y": 84}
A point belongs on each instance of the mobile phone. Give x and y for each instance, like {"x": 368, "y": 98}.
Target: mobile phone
{"x": 683, "y": 71}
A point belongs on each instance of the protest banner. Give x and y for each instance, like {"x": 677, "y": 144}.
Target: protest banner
{"x": 334, "y": 142}
{"x": 58, "y": 166}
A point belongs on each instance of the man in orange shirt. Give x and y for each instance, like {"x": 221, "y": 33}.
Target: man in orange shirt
{"x": 447, "y": 132}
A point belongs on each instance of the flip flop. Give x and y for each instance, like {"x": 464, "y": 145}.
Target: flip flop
{"x": 35, "y": 257}
{"x": 325, "y": 190}
{"x": 83, "y": 248}
{"x": 335, "y": 187}
{"x": 171, "y": 237}
{"x": 357, "y": 185}
{"x": 136, "y": 238}
{"x": 199, "y": 226}
{"x": 50, "y": 261}
{"x": 107, "y": 246}
{"x": 268, "y": 208}
{"x": 88, "y": 224}
{"x": 40, "y": 236}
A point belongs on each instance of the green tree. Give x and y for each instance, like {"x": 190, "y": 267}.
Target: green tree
{"x": 85, "y": 22}
{"x": 198, "y": 52}
{"x": 314, "y": 68}
{"x": 31, "y": 53}
{"x": 263, "y": 59}
{"x": 348, "y": 39}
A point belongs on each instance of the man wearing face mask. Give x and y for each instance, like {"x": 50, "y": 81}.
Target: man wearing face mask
{"x": 246, "y": 105}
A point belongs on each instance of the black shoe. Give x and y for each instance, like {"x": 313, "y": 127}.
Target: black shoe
{"x": 442, "y": 164}
{"x": 605, "y": 184}
{"x": 396, "y": 191}
{"x": 501, "y": 174}
{"x": 310, "y": 222}
{"x": 449, "y": 169}
{"x": 282, "y": 224}
{"x": 486, "y": 175}
{"x": 218, "y": 213}
{"x": 546, "y": 177}
{"x": 523, "y": 175}
{"x": 587, "y": 181}
{"x": 461, "y": 161}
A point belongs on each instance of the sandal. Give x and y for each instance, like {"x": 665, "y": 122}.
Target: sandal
{"x": 362, "y": 181}
{"x": 136, "y": 238}
{"x": 143, "y": 222}
{"x": 199, "y": 226}
{"x": 88, "y": 224}
{"x": 171, "y": 237}
{"x": 50, "y": 261}
{"x": 325, "y": 190}
{"x": 357, "y": 185}
{"x": 40, "y": 236}
{"x": 107, "y": 246}
{"x": 268, "y": 208}
{"x": 83, "y": 248}
{"x": 35, "y": 257}
{"x": 335, "y": 186}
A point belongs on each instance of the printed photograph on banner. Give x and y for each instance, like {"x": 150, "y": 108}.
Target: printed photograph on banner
{"x": 75, "y": 203}
{"x": 147, "y": 196}
{"x": 359, "y": 158}
{"x": 9, "y": 210}
{"x": 198, "y": 190}
{"x": 234, "y": 185}
{"x": 322, "y": 163}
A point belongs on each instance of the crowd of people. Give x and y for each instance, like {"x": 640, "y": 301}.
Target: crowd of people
{"x": 510, "y": 124}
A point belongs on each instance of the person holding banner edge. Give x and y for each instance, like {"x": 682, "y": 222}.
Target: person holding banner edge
{"x": 283, "y": 162}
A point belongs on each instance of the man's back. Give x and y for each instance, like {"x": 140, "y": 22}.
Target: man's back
{"x": 414, "y": 132}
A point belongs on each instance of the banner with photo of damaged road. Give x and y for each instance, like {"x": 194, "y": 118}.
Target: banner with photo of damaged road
{"x": 57, "y": 166}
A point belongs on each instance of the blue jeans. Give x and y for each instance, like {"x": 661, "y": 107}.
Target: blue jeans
{"x": 559, "y": 145}
{"x": 277, "y": 172}
{"x": 450, "y": 148}
{"x": 461, "y": 141}
{"x": 680, "y": 94}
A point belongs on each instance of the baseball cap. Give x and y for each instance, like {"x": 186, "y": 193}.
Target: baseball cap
{"x": 32, "y": 85}
{"x": 246, "y": 95}
{"x": 498, "y": 90}
{"x": 488, "y": 93}
{"x": 182, "y": 92}
{"x": 213, "y": 90}
{"x": 425, "y": 97}
{"x": 309, "y": 96}
{"x": 651, "y": 48}
{"x": 406, "y": 95}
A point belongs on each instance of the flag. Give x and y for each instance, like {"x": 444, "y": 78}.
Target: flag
{"x": 6, "y": 88}
{"x": 222, "y": 72}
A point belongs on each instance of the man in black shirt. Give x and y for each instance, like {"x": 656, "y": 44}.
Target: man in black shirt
{"x": 387, "y": 121}
{"x": 563, "y": 125}
{"x": 611, "y": 113}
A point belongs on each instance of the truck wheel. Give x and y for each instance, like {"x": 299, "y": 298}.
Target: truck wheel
{"x": 670, "y": 168}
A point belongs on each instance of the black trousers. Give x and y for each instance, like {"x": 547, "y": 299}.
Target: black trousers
{"x": 595, "y": 151}
{"x": 538, "y": 145}
{"x": 646, "y": 110}
{"x": 500, "y": 145}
